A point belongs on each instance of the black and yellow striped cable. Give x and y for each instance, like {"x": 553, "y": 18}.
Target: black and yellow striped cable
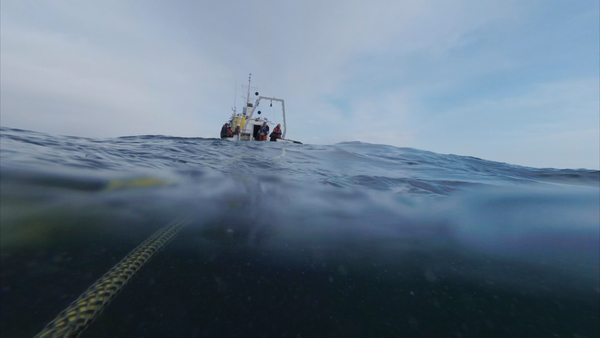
{"x": 75, "y": 318}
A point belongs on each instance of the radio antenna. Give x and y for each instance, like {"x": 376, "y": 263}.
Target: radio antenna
{"x": 248, "y": 96}
{"x": 234, "y": 108}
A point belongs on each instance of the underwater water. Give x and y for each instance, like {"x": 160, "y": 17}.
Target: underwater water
{"x": 289, "y": 240}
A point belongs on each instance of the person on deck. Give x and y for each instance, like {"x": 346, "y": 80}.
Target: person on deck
{"x": 276, "y": 133}
{"x": 226, "y": 131}
{"x": 237, "y": 130}
{"x": 263, "y": 132}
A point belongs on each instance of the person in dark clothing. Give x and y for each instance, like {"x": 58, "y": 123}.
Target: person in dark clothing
{"x": 263, "y": 132}
{"x": 226, "y": 131}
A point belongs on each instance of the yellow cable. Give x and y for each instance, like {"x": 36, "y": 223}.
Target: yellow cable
{"x": 82, "y": 312}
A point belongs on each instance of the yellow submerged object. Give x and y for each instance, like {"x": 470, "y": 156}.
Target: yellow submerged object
{"x": 137, "y": 183}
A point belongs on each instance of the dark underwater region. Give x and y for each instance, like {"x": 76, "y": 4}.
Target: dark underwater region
{"x": 348, "y": 240}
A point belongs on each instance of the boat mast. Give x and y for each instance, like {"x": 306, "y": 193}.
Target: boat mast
{"x": 234, "y": 108}
{"x": 248, "y": 95}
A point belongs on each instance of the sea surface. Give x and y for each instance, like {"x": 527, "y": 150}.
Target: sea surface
{"x": 288, "y": 240}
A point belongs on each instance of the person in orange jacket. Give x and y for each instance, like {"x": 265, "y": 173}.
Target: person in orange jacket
{"x": 276, "y": 133}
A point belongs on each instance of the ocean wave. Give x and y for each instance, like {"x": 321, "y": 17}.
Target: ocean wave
{"x": 387, "y": 241}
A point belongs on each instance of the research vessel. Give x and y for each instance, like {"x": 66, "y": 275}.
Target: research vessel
{"x": 246, "y": 126}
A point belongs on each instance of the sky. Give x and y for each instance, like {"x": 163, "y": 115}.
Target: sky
{"x": 508, "y": 81}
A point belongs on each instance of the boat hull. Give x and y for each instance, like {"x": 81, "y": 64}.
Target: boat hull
{"x": 236, "y": 138}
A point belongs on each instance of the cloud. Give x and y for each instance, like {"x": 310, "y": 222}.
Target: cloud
{"x": 64, "y": 79}
{"x": 545, "y": 124}
{"x": 427, "y": 74}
